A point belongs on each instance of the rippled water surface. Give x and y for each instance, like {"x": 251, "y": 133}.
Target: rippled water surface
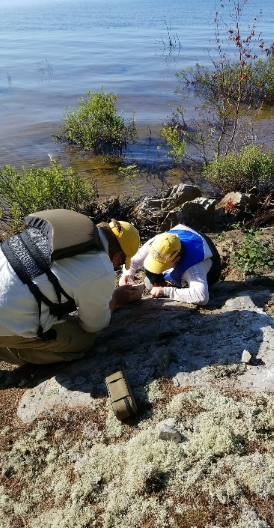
{"x": 53, "y": 51}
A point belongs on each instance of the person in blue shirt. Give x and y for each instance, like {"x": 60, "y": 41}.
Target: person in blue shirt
{"x": 180, "y": 264}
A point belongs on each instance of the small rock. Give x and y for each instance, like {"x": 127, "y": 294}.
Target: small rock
{"x": 246, "y": 357}
{"x": 169, "y": 433}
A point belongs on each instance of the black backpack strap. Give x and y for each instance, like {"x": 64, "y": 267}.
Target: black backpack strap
{"x": 58, "y": 310}
{"x": 38, "y": 256}
{"x": 24, "y": 276}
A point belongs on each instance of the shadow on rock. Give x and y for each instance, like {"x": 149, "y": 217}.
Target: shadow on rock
{"x": 26, "y": 376}
{"x": 158, "y": 338}
{"x": 259, "y": 289}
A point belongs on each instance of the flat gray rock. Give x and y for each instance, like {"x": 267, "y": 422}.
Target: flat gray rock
{"x": 159, "y": 337}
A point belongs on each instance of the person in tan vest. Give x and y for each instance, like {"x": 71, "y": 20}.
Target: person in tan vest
{"x": 87, "y": 278}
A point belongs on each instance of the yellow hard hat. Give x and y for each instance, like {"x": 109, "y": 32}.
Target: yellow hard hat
{"x": 128, "y": 238}
{"x": 163, "y": 250}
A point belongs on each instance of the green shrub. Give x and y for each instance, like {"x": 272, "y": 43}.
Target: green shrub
{"x": 232, "y": 90}
{"x": 255, "y": 256}
{"x": 95, "y": 125}
{"x": 39, "y": 189}
{"x": 240, "y": 171}
{"x": 262, "y": 81}
{"x": 174, "y": 135}
{"x": 253, "y": 82}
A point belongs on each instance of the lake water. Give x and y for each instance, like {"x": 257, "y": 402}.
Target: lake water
{"x": 54, "y": 51}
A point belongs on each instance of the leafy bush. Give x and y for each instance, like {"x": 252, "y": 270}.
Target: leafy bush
{"x": 235, "y": 85}
{"x": 173, "y": 134}
{"x": 241, "y": 171}
{"x": 252, "y": 81}
{"x": 254, "y": 256}
{"x": 261, "y": 81}
{"x": 39, "y": 189}
{"x": 95, "y": 125}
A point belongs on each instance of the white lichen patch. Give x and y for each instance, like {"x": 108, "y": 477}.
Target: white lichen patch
{"x": 72, "y": 472}
{"x": 153, "y": 391}
{"x": 114, "y": 427}
{"x": 257, "y": 473}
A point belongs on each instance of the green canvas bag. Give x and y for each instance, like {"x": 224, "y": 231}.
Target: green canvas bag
{"x": 122, "y": 399}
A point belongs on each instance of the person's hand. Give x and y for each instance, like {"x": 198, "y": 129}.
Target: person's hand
{"x": 126, "y": 279}
{"x": 157, "y": 291}
{"x": 122, "y": 295}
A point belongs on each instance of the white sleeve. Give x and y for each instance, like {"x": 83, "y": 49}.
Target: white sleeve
{"x": 93, "y": 301}
{"x": 138, "y": 260}
{"x": 197, "y": 290}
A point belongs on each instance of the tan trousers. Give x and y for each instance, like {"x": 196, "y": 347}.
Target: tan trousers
{"x": 72, "y": 343}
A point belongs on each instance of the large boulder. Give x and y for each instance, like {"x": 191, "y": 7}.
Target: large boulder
{"x": 234, "y": 202}
{"x": 171, "y": 198}
{"x": 181, "y": 204}
{"x": 179, "y": 194}
{"x": 198, "y": 214}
